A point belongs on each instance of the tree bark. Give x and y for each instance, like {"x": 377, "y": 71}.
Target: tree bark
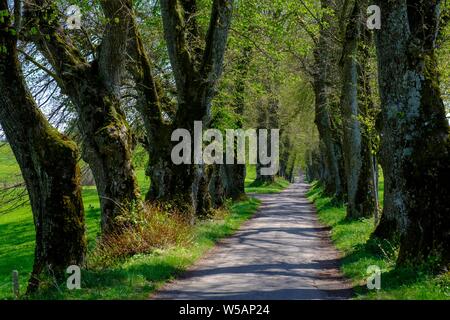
{"x": 196, "y": 71}
{"x": 48, "y": 162}
{"x": 94, "y": 89}
{"x": 356, "y": 142}
{"x": 324, "y": 119}
{"x": 234, "y": 175}
{"x": 267, "y": 120}
{"x": 415, "y": 145}
{"x": 331, "y": 147}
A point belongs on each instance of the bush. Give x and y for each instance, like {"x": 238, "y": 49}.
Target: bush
{"x": 153, "y": 228}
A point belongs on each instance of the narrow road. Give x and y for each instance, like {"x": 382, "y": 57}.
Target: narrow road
{"x": 283, "y": 253}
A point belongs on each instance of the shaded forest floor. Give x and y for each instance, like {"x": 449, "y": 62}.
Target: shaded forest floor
{"x": 352, "y": 238}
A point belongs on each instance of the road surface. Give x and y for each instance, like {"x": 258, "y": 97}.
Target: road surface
{"x": 283, "y": 253}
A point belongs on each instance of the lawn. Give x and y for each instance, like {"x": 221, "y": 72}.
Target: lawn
{"x": 135, "y": 278}
{"x": 352, "y": 238}
{"x": 9, "y": 169}
{"x": 17, "y": 240}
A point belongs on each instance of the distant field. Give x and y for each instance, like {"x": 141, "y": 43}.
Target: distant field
{"x": 9, "y": 169}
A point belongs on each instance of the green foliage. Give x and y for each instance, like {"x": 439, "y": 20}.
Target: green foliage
{"x": 3, "y": 14}
{"x": 443, "y": 56}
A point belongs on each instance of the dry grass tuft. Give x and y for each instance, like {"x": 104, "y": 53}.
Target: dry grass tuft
{"x": 153, "y": 228}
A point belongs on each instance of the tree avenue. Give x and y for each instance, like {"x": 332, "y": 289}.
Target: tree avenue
{"x": 133, "y": 124}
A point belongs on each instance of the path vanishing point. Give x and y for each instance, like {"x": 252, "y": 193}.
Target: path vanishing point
{"x": 282, "y": 253}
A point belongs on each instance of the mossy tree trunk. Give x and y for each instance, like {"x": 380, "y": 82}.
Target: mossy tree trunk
{"x": 324, "y": 76}
{"x": 415, "y": 145}
{"x": 197, "y": 70}
{"x": 286, "y": 171}
{"x": 234, "y": 174}
{"x": 93, "y": 87}
{"x": 354, "y": 100}
{"x": 150, "y": 105}
{"x": 48, "y": 162}
{"x": 323, "y": 80}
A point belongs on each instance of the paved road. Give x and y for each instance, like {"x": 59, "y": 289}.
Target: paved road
{"x": 282, "y": 253}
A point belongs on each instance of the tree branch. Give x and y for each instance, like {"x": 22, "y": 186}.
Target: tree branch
{"x": 216, "y": 39}
{"x": 175, "y": 36}
{"x": 39, "y": 65}
{"x": 112, "y": 54}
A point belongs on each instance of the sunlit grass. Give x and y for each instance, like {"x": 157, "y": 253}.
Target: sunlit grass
{"x": 140, "y": 275}
{"x": 353, "y": 239}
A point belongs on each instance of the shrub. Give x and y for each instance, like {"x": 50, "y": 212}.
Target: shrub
{"x": 154, "y": 228}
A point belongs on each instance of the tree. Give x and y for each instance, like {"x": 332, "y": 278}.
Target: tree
{"x": 197, "y": 66}
{"x": 93, "y": 87}
{"x": 415, "y": 142}
{"x": 324, "y": 76}
{"x": 355, "y": 102}
{"x": 267, "y": 119}
{"x": 233, "y": 175}
{"x": 49, "y": 164}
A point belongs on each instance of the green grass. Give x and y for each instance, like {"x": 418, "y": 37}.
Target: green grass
{"x": 135, "y": 278}
{"x": 9, "y": 169}
{"x": 352, "y": 238}
{"x": 17, "y": 240}
{"x": 251, "y": 186}
{"x": 17, "y": 236}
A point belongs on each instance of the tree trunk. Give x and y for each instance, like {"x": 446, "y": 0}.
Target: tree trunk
{"x": 197, "y": 70}
{"x": 260, "y": 178}
{"x": 324, "y": 120}
{"x": 48, "y": 162}
{"x": 267, "y": 120}
{"x": 415, "y": 145}
{"x": 234, "y": 180}
{"x": 332, "y": 175}
{"x": 356, "y": 142}
{"x": 107, "y": 148}
{"x": 234, "y": 175}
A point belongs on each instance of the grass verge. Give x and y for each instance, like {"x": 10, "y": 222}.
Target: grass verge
{"x": 352, "y": 238}
{"x": 137, "y": 277}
